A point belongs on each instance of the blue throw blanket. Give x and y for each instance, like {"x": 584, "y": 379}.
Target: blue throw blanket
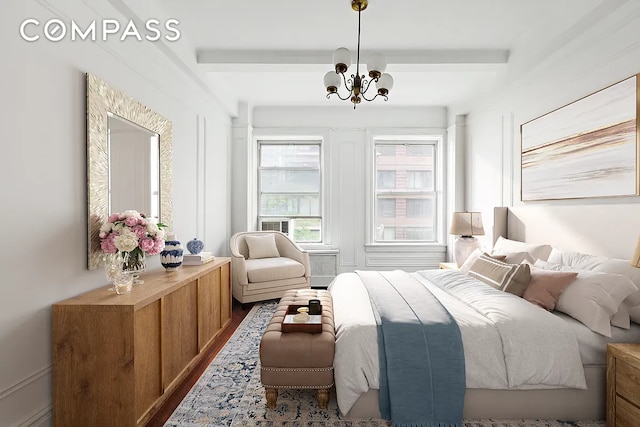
{"x": 422, "y": 373}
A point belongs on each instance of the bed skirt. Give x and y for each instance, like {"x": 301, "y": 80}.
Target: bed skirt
{"x": 549, "y": 404}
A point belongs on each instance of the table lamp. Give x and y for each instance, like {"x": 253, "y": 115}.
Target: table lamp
{"x": 465, "y": 225}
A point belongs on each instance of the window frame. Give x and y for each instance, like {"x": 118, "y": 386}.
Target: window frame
{"x": 283, "y": 141}
{"x": 436, "y": 137}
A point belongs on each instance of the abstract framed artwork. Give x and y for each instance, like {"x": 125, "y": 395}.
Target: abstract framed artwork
{"x": 588, "y": 148}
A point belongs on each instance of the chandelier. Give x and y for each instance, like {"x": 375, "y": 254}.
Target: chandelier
{"x": 358, "y": 85}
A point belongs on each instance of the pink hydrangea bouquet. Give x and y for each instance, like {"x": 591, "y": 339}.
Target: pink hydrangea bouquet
{"x": 131, "y": 232}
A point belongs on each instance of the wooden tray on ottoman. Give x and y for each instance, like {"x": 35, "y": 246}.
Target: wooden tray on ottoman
{"x": 313, "y": 325}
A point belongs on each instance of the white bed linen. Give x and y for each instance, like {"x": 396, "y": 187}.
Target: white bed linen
{"x": 593, "y": 346}
{"x": 509, "y": 343}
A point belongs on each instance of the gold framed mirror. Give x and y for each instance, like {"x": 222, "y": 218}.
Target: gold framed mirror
{"x": 113, "y": 118}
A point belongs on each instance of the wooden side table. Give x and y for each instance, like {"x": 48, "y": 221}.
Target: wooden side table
{"x": 623, "y": 385}
{"x": 448, "y": 266}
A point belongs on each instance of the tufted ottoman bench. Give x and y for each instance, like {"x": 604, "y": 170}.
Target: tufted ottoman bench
{"x": 298, "y": 359}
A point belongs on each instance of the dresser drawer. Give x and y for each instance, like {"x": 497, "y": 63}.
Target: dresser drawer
{"x": 627, "y": 415}
{"x": 628, "y": 382}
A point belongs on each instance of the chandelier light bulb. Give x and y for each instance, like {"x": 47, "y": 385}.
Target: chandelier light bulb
{"x": 384, "y": 84}
{"x": 342, "y": 59}
{"x": 332, "y": 81}
{"x": 376, "y": 65}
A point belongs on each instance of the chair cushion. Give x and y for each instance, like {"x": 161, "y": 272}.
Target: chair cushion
{"x": 262, "y": 246}
{"x": 269, "y": 269}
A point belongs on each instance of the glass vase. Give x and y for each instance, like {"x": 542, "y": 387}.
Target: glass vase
{"x": 120, "y": 279}
{"x": 123, "y": 283}
{"x": 134, "y": 263}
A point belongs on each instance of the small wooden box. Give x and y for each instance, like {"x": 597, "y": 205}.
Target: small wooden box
{"x": 312, "y": 326}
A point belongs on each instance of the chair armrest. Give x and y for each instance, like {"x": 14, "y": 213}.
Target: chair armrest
{"x": 290, "y": 249}
{"x": 239, "y": 268}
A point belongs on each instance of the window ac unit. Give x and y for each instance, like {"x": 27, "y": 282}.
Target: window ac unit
{"x": 281, "y": 225}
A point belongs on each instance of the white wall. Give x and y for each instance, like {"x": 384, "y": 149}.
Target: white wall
{"x": 606, "y": 52}
{"x": 43, "y": 191}
{"x": 346, "y": 135}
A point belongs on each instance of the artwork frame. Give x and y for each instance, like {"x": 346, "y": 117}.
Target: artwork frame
{"x": 589, "y": 148}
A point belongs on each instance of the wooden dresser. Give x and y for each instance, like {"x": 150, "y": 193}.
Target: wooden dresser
{"x": 623, "y": 385}
{"x": 116, "y": 358}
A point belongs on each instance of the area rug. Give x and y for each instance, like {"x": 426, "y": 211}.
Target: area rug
{"x": 229, "y": 392}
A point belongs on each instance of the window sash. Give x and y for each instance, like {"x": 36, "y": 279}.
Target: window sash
{"x": 415, "y": 224}
{"x": 300, "y": 202}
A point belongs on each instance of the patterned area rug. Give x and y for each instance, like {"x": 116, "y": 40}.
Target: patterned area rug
{"x": 229, "y": 392}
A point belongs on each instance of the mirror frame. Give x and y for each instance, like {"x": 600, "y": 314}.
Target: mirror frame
{"x": 102, "y": 98}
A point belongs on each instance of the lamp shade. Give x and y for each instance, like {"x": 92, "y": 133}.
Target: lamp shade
{"x": 466, "y": 224}
{"x": 385, "y": 82}
{"x": 377, "y": 62}
{"x": 332, "y": 79}
{"x": 342, "y": 56}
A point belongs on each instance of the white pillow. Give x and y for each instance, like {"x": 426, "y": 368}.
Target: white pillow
{"x": 473, "y": 257}
{"x": 602, "y": 264}
{"x": 507, "y": 246}
{"x": 622, "y": 319}
{"x": 593, "y": 298}
{"x": 634, "y": 314}
{"x": 262, "y": 246}
{"x": 517, "y": 257}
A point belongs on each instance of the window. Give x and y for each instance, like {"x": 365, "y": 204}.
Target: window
{"x": 417, "y": 233}
{"x": 419, "y": 179}
{"x": 417, "y": 150}
{"x": 386, "y": 179}
{"x": 405, "y": 196}
{"x": 419, "y": 208}
{"x": 387, "y": 208}
{"x": 289, "y": 184}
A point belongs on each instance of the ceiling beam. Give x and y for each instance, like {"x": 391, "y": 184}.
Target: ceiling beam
{"x": 402, "y": 60}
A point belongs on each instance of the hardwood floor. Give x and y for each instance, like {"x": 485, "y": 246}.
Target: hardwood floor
{"x": 239, "y": 312}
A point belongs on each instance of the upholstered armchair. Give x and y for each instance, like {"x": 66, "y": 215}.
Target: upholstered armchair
{"x": 265, "y": 264}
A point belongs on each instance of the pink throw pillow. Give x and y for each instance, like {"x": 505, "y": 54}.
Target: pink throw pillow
{"x": 546, "y": 286}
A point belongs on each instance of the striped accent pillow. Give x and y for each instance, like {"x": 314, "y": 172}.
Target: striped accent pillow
{"x": 512, "y": 278}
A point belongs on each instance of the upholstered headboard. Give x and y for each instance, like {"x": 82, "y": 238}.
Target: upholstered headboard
{"x": 609, "y": 230}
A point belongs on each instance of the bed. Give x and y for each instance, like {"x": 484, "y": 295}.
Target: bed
{"x": 507, "y": 375}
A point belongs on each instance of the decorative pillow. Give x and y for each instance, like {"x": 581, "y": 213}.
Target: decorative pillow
{"x": 516, "y": 257}
{"x": 505, "y": 277}
{"x": 464, "y": 268}
{"x": 593, "y": 298}
{"x": 262, "y": 246}
{"x": 506, "y": 246}
{"x": 602, "y": 264}
{"x": 546, "y": 286}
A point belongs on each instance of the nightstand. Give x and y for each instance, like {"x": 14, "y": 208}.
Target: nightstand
{"x": 448, "y": 266}
{"x": 623, "y": 385}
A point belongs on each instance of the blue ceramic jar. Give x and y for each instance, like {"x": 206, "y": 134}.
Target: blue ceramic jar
{"x": 172, "y": 255}
{"x": 195, "y": 246}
